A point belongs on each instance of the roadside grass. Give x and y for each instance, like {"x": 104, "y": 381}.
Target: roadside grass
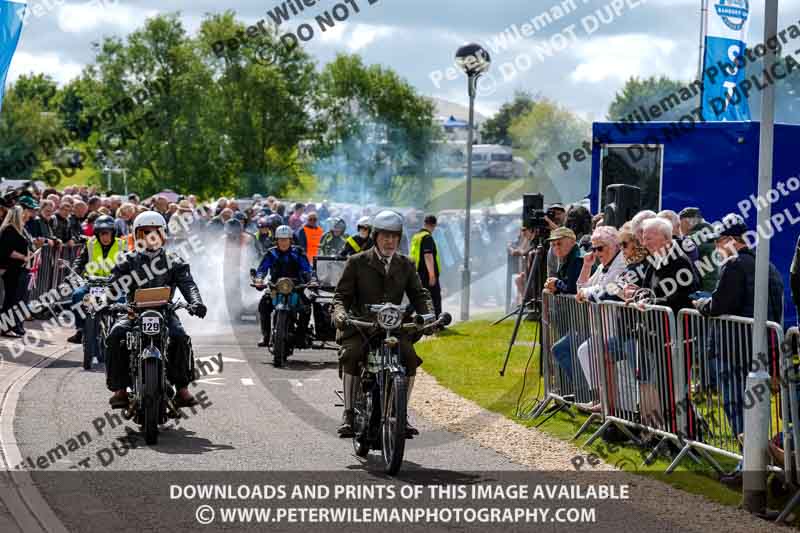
{"x": 467, "y": 357}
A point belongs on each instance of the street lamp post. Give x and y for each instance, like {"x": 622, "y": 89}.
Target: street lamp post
{"x": 474, "y": 61}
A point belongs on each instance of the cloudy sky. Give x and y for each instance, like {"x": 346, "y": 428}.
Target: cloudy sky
{"x": 579, "y": 60}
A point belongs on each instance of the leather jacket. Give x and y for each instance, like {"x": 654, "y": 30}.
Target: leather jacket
{"x": 165, "y": 269}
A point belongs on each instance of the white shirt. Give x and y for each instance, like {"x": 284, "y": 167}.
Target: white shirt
{"x": 596, "y": 286}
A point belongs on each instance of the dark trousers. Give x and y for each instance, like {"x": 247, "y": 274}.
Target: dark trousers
{"x": 15, "y": 283}
{"x": 436, "y": 295}
{"x": 354, "y": 351}
{"x": 265, "y": 309}
{"x": 179, "y": 368}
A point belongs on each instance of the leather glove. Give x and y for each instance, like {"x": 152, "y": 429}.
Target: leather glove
{"x": 340, "y": 320}
{"x": 198, "y": 310}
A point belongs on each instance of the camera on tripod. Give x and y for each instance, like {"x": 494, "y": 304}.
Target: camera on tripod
{"x": 533, "y": 213}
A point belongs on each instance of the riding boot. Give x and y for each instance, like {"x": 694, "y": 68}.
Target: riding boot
{"x": 410, "y": 430}
{"x": 265, "y": 331}
{"x": 350, "y": 384}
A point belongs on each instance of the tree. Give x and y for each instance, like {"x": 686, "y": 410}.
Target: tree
{"x": 495, "y": 129}
{"x": 547, "y": 130}
{"x": 37, "y": 86}
{"x": 24, "y": 124}
{"x": 648, "y": 92}
{"x": 377, "y": 127}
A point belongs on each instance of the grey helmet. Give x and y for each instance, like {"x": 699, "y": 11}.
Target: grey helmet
{"x": 387, "y": 221}
{"x": 339, "y": 223}
{"x": 283, "y": 232}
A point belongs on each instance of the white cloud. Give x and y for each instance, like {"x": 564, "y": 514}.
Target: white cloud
{"x": 49, "y": 63}
{"x": 621, "y": 56}
{"x": 100, "y": 14}
{"x": 364, "y": 35}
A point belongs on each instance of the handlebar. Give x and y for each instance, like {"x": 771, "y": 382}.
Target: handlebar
{"x": 131, "y": 306}
{"x": 425, "y": 321}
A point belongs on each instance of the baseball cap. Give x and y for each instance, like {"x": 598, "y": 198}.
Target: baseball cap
{"x": 28, "y": 202}
{"x": 557, "y": 205}
{"x": 561, "y": 233}
{"x": 690, "y": 212}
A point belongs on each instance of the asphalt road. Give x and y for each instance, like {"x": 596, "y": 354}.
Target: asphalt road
{"x": 261, "y": 425}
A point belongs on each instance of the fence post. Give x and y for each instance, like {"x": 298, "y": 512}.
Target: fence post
{"x": 756, "y": 436}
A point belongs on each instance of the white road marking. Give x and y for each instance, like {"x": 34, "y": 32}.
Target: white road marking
{"x": 247, "y": 381}
{"x": 212, "y": 381}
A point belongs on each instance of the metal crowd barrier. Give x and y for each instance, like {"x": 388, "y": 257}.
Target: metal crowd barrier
{"x": 47, "y": 274}
{"x": 642, "y": 372}
{"x": 717, "y": 356}
{"x": 790, "y": 389}
{"x": 571, "y": 368}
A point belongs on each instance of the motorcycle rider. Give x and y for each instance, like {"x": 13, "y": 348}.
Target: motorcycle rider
{"x": 333, "y": 241}
{"x": 360, "y": 242}
{"x": 376, "y": 276}
{"x": 150, "y": 266}
{"x": 97, "y": 259}
{"x": 282, "y": 261}
{"x": 264, "y": 239}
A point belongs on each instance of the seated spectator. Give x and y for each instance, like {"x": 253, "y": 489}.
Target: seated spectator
{"x": 702, "y": 236}
{"x": 688, "y": 247}
{"x": 670, "y": 276}
{"x": 611, "y": 263}
{"x": 562, "y": 242}
{"x": 637, "y": 221}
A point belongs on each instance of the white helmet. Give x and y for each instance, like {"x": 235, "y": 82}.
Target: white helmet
{"x": 283, "y": 232}
{"x": 150, "y": 219}
{"x": 387, "y": 221}
{"x": 363, "y": 222}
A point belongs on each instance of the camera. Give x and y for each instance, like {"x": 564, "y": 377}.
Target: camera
{"x": 586, "y": 243}
{"x": 533, "y": 213}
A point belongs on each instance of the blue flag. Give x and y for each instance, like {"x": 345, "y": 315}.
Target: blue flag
{"x": 725, "y": 40}
{"x": 11, "y": 14}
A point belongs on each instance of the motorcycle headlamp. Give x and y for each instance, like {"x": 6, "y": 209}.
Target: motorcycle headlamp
{"x": 284, "y": 286}
{"x": 389, "y": 318}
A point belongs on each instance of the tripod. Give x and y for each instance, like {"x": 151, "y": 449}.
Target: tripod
{"x": 534, "y": 303}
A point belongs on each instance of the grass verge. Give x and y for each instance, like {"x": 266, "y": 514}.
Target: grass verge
{"x": 467, "y": 358}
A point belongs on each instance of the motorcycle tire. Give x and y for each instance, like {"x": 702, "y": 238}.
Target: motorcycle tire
{"x": 88, "y": 342}
{"x": 151, "y": 399}
{"x": 362, "y": 414}
{"x": 281, "y": 339}
{"x": 393, "y": 423}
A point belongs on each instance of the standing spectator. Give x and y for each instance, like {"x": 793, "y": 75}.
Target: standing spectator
{"x": 687, "y": 247}
{"x": 280, "y": 209}
{"x": 162, "y": 207}
{"x": 699, "y": 234}
{"x": 133, "y": 198}
{"x": 309, "y": 236}
{"x": 79, "y": 211}
{"x": 94, "y": 203}
{"x": 63, "y": 224}
{"x": 123, "y": 224}
{"x": 523, "y": 246}
{"x": 15, "y": 257}
{"x": 296, "y": 218}
{"x": 39, "y": 227}
{"x": 425, "y": 256}
{"x": 323, "y": 211}
{"x": 116, "y": 202}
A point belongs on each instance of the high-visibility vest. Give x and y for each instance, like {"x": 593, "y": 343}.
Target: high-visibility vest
{"x": 353, "y": 244}
{"x": 102, "y": 266}
{"x": 416, "y": 248}
{"x": 313, "y": 236}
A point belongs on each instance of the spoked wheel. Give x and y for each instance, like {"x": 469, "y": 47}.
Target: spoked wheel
{"x": 393, "y": 428}
{"x": 280, "y": 336}
{"x": 151, "y": 396}
{"x": 362, "y": 411}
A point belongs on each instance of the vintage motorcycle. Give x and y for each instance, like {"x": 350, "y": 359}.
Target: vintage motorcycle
{"x": 287, "y": 302}
{"x": 380, "y": 405}
{"x": 98, "y": 321}
{"x": 151, "y": 398}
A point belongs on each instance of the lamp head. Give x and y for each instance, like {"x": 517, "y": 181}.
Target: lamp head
{"x": 473, "y": 59}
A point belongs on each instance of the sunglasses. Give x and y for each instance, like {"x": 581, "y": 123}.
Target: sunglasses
{"x": 598, "y": 248}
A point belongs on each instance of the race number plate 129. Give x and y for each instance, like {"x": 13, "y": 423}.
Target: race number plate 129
{"x": 151, "y": 325}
